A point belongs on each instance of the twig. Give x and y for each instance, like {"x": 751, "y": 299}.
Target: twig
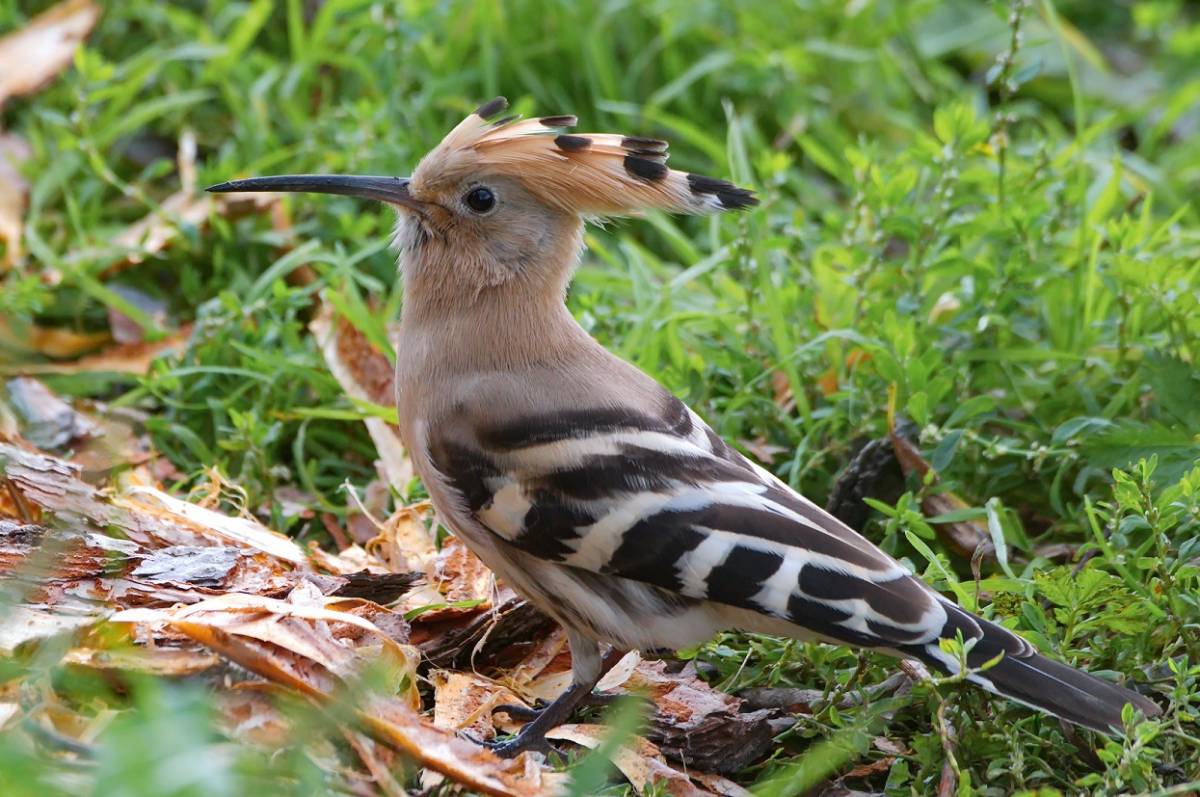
{"x": 950, "y": 771}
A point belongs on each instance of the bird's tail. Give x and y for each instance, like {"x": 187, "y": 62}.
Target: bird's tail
{"x": 1026, "y": 676}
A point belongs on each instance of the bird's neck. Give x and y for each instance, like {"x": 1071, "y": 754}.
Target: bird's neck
{"x": 502, "y": 327}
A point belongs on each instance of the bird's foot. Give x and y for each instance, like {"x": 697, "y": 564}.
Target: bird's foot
{"x": 519, "y": 712}
{"x": 529, "y": 738}
{"x": 541, "y": 718}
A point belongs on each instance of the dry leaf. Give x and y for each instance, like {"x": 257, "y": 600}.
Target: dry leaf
{"x": 250, "y": 715}
{"x": 722, "y": 786}
{"x": 244, "y": 531}
{"x": 48, "y": 421}
{"x": 469, "y": 764}
{"x": 13, "y": 188}
{"x": 462, "y": 577}
{"x": 159, "y": 661}
{"x": 964, "y": 537}
{"x": 186, "y": 564}
{"x": 294, "y": 643}
{"x": 693, "y": 723}
{"x": 639, "y": 761}
{"x": 875, "y": 767}
{"x": 351, "y": 560}
{"x": 403, "y": 543}
{"x": 889, "y": 746}
{"x": 464, "y": 701}
{"x": 763, "y": 450}
{"x": 124, "y": 329}
{"x": 122, "y": 358}
{"x": 366, "y": 375}
{"x": 696, "y": 724}
{"x": 156, "y": 231}
{"x": 51, "y": 342}
{"x": 496, "y": 638}
{"x": 21, "y": 625}
{"x": 33, "y": 55}
{"x": 781, "y": 389}
{"x": 379, "y": 761}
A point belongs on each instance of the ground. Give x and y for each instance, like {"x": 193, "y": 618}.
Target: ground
{"x": 978, "y": 223}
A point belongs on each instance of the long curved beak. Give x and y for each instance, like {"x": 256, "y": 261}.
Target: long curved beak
{"x": 393, "y": 190}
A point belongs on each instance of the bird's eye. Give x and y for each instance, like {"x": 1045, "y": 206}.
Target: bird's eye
{"x": 480, "y": 199}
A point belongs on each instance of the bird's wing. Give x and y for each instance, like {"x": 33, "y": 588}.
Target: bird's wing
{"x": 657, "y": 497}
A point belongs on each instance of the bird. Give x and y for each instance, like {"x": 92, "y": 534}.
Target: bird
{"x": 589, "y": 487}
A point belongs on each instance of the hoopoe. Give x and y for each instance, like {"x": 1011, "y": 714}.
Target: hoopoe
{"x": 589, "y": 487}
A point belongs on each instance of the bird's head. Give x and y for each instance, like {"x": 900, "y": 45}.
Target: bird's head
{"x": 502, "y": 203}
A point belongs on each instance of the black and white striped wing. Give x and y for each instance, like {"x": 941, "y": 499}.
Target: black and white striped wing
{"x": 662, "y": 500}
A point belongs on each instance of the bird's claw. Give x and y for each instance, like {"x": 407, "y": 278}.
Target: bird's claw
{"x": 519, "y": 712}
{"x": 511, "y": 748}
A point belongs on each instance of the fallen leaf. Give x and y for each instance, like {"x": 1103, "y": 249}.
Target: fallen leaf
{"x": 638, "y": 760}
{"x": 124, "y": 329}
{"x": 366, "y": 375}
{"x": 144, "y": 515}
{"x": 250, "y": 715}
{"x": 722, "y": 786}
{"x": 875, "y": 767}
{"x": 17, "y": 541}
{"x": 185, "y": 208}
{"x": 781, "y": 390}
{"x": 282, "y": 641}
{"x": 889, "y": 746}
{"x": 462, "y": 578}
{"x": 160, "y": 661}
{"x": 121, "y": 358}
{"x": 362, "y": 513}
{"x": 48, "y": 421}
{"x": 13, "y": 189}
{"x": 700, "y": 726}
{"x": 403, "y": 542}
{"x": 33, "y": 55}
{"x": 21, "y": 625}
{"x": 244, "y": 531}
{"x": 49, "y": 341}
{"x": 379, "y": 761}
{"x": 349, "y": 560}
{"x": 763, "y": 450}
{"x": 964, "y": 537}
{"x": 186, "y": 564}
{"x": 466, "y": 763}
{"x": 463, "y": 702}
{"x": 382, "y": 588}
{"x": 543, "y": 652}
{"x": 496, "y": 638}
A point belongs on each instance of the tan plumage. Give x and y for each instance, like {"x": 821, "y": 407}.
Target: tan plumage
{"x": 584, "y": 483}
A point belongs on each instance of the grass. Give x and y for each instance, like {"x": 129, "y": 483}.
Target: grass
{"x": 983, "y": 211}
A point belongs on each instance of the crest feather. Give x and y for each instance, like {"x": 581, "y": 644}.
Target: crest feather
{"x": 600, "y": 174}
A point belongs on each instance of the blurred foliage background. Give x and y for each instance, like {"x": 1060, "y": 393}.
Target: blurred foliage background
{"x": 982, "y": 212}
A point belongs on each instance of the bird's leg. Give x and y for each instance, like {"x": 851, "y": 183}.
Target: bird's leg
{"x": 586, "y": 668}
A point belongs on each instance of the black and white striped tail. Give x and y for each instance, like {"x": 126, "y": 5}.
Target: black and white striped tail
{"x": 1029, "y": 678}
